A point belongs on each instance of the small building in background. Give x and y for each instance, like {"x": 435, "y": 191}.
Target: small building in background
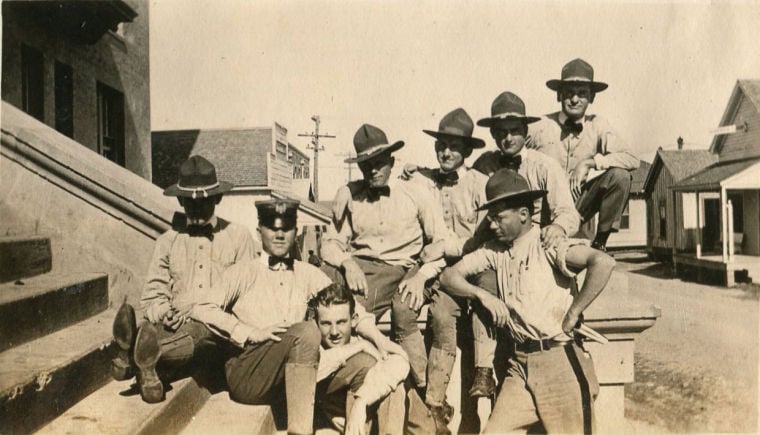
{"x": 260, "y": 162}
{"x": 633, "y": 222}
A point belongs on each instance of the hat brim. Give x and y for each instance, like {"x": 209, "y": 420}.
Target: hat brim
{"x": 472, "y": 141}
{"x": 556, "y": 85}
{"x": 497, "y": 120}
{"x": 174, "y": 190}
{"x": 376, "y": 151}
{"x": 517, "y": 198}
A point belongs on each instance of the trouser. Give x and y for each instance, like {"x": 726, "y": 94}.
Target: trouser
{"x": 256, "y": 374}
{"x": 607, "y": 195}
{"x": 556, "y": 387}
{"x": 383, "y": 280}
{"x": 483, "y": 332}
{"x": 191, "y": 342}
{"x": 335, "y": 395}
{"x": 443, "y": 313}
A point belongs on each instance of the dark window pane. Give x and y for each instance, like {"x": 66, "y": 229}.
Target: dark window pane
{"x": 111, "y": 124}
{"x": 32, "y": 82}
{"x": 64, "y": 99}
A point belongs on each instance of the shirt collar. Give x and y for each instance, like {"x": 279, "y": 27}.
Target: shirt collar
{"x": 213, "y": 221}
{"x": 562, "y": 118}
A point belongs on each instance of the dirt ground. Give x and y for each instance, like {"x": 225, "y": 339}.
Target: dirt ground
{"x": 697, "y": 367}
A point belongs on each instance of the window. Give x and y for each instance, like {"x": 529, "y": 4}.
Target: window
{"x": 111, "y": 124}
{"x": 663, "y": 220}
{"x": 32, "y": 82}
{"x": 64, "y": 99}
{"x": 625, "y": 223}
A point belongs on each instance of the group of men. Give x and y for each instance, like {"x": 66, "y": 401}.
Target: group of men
{"x": 494, "y": 242}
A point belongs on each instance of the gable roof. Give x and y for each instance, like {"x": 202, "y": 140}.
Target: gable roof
{"x": 639, "y": 176}
{"x": 679, "y": 163}
{"x": 743, "y": 88}
{"x": 240, "y": 155}
{"x": 710, "y": 178}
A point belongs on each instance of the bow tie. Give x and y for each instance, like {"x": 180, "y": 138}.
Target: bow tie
{"x": 510, "y": 162}
{"x": 447, "y": 178}
{"x": 206, "y": 231}
{"x": 280, "y": 263}
{"x": 572, "y": 126}
{"x": 374, "y": 193}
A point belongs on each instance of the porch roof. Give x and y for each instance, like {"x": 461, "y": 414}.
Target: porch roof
{"x": 735, "y": 174}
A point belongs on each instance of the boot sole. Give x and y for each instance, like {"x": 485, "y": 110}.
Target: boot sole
{"x": 146, "y": 355}
{"x": 124, "y": 332}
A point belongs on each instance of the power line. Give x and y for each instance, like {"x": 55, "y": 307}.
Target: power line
{"x": 316, "y": 147}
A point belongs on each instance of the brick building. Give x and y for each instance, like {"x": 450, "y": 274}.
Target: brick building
{"x": 82, "y": 68}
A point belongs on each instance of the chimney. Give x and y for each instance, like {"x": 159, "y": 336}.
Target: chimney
{"x": 680, "y": 143}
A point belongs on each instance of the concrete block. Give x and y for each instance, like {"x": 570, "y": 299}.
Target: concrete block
{"x": 47, "y": 303}
{"x": 42, "y": 378}
{"x": 22, "y": 257}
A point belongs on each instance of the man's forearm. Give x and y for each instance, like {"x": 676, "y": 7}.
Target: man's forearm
{"x": 597, "y": 275}
{"x": 454, "y": 283}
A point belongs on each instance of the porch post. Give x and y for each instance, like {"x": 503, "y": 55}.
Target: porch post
{"x": 699, "y": 226}
{"x": 730, "y": 208}
{"x": 723, "y": 226}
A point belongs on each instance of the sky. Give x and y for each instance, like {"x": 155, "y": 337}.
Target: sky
{"x": 401, "y": 66}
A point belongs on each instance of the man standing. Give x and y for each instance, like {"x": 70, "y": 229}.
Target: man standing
{"x": 187, "y": 262}
{"x": 260, "y": 307}
{"x": 580, "y": 143}
{"x": 375, "y": 239}
{"x": 352, "y": 375}
{"x": 550, "y": 378}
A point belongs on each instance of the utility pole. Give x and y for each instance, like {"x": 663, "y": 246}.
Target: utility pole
{"x": 316, "y": 147}
{"x": 349, "y": 166}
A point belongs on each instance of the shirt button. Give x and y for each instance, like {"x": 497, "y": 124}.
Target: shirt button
{"x": 200, "y": 266}
{"x": 200, "y": 285}
{"x": 200, "y": 247}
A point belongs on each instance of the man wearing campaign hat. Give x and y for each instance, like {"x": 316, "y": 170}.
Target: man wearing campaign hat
{"x": 598, "y": 163}
{"x": 260, "y": 307}
{"x": 187, "y": 261}
{"x": 550, "y": 377}
{"x": 375, "y": 239}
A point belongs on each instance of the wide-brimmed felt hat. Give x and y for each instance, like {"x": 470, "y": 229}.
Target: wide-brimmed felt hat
{"x": 369, "y": 142}
{"x": 505, "y": 108}
{"x": 197, "y": 179}
{"x": 506, "y": 185}
{"x": 457, "y": 124}
{"x": 577, "y": 71}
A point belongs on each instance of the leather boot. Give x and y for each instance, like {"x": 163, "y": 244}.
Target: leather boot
{"x": 147, "y": 354}
{"x": 442, "y": 416}
{"x": 483, "y": 384}
{"x": 300, "y": 386}
{"x": 124, "y": 332}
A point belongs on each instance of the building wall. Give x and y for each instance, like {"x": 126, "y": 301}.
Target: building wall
{"x": 659, "y": 193}
{"x": 636, "y": 234}
{"x": 743, "y": 144}
{"x": 121, "y": 63}
{"x": 280, "y": 174}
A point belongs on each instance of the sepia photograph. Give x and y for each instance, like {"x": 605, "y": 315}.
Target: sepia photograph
{"x": 379, "y": 217}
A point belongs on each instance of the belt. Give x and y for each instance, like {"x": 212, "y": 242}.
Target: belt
{"x": 530, "y": 346}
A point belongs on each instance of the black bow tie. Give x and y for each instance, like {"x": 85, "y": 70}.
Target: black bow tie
{"x": 206, "y": 231}
{"x": 510, "y": 162}
{"x": 572, "y": 126}
{"x": 447, "y": 178}
{"x": 280, "y": 263}
{"x": 374, "y": 193}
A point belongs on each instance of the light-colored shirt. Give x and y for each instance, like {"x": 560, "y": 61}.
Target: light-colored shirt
{"x": 253, "y": 296}
{"x": 184, "y": 268}
{"x": 392, "y": 228}
{"x": 541, "y": 172}
{"x": 380, "y": 380}
{"x": 534, "y": 283}
{"x": 596, "y": 141}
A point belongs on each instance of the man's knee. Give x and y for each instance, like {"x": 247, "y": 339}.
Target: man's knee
{"x": 358, "y": 366}
{"x": 404, "y": 319}
{"x": 306, "y": 336}
{"x": 618, "y": 177}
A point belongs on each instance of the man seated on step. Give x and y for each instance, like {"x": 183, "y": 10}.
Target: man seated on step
{"x": 186, "y": 263}
{"x": 373, "y": 245}
{"x": 550, "y": 377}
{"x": 260, "y": 307}
{"x": 353, "y": 376}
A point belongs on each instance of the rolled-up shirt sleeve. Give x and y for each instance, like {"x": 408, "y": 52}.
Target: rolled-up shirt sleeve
{"x": 476, "y": 262}
{"x": 214, "y": 310}
{"x": 613, "y": 150}
{"x": 383, "y": 378}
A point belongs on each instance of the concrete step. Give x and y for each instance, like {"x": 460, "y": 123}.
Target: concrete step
{"x": 118, "y": 409}
{"x": 42, "y": 378}
{"x": 221, "y": 415}
{"x": 47, "y": 303}
{"x": 24, "y": 256}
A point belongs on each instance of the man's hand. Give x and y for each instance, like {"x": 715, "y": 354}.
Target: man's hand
{"x": 497, "y": 308}
{"x": 408, "y": 172}
{"x": 578, "y": 178}
{"x": 367, "y": 347}
{"x": 414, "y": 288}
{"x": 433, "y": 251}
{"x": 570, "y": 322}
{"x": 356, "y": 420}
{"x": 173, "y": 319}
{"x": 355, "y": 278}
{"x": 260, "y": 335}
{"x": 551, "y": 235}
